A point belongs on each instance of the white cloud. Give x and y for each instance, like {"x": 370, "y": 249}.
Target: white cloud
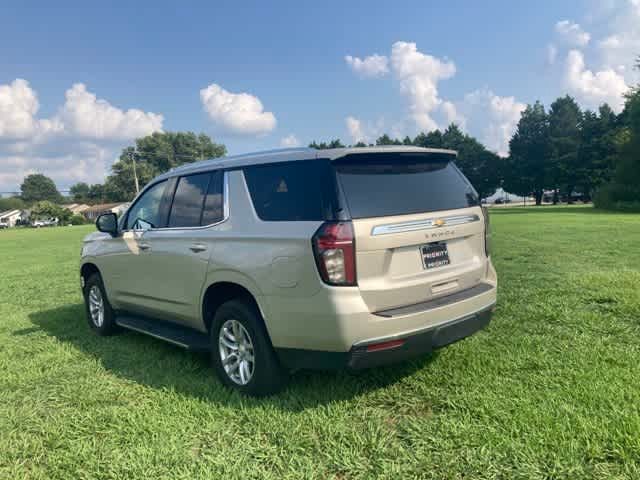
{"x": 572, "y": 33}
{"x": 65, "y": 162}
{"x": 419, "y": 74}
{"x": 594, "y": 88}
{"x": 552, "y": 53}
{"x": 495, "y": 117}
{"x": 77, "y": 144}
{"x": 602, "y": 74}
{"x": 610, "y": 42}
{"x": 372, "y": 66}
{"x": 452, "y": 115}
{"x": 18, "y": 108}
{"x": 85, "y": 115}
{"x": 289, "y": 141}
{"x": 620, "y": 49}
{"x": 368, "y": 132}
{"x": 354, "y": 126}
{"x": 239, "y": 113}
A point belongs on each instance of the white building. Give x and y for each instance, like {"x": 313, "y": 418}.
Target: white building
{"x": 76, "y": 208}
{"x": 92, "y": 212}
{"x": 10, "y": 217}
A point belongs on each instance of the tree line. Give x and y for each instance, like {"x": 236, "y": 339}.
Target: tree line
{"x": 562, "y": 149}
{"x": 151, "y": 156}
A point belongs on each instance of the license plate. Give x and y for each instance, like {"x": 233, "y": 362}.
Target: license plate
{"x": 434, "y": 255}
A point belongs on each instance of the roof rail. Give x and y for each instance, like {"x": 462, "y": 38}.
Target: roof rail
{"x": 244, "y": 155}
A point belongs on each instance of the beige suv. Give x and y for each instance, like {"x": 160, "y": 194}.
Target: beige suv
{"x": 296, "y": 259}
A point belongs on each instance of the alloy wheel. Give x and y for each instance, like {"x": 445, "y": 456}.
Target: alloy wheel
{"x": 96, "y": 306}
{"x": 236, "y": 352}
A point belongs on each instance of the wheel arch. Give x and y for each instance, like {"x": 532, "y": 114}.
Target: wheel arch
{"x": 218, "y": 292}
{"x": 87, "y": 269}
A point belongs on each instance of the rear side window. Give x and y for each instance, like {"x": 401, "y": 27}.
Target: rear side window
{"x": 188, "y": 200}
{"x": 383, "y": 184}
{"x": 214, "y": 201}
{"x": 293, "y": 191}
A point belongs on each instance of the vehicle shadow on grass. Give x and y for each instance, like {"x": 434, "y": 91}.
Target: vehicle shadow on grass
{"x": 160, "y": 365}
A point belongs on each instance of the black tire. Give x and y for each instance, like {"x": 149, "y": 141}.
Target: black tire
{"x": 108, "y": 325}
{"x": 268, "y": 376}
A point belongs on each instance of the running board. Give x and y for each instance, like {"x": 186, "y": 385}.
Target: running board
{"x": 169, "y": 332}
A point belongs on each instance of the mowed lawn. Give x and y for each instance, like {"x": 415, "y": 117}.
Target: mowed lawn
{"x": 550, "y": 390}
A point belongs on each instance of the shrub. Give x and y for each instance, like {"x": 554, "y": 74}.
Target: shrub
{"x": 617, "y": 196}
{"x": 77, "y": 219}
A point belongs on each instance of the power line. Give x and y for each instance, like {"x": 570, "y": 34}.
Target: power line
{"x": 16, "y": 194}
{"x": 131, "y": 154}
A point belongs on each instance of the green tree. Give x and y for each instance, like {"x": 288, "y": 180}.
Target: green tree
{"x": 11, "y": 203}
{"x": 120, "y": 185}
{"x": 565, "y": 168}
{"x": 79, "y": 192}
{"x": 623, "y": 192}
{"x": 528, "y": 164}
{"x": 163, "y": 151}
{"x": 153, "y": 155}
{"x": 387, "y": 140}
{"x": 46, "y": 209}
{"x": 96, "y": 193}
{"x": 453, "y": 138}
{"x": 335, "y": 143}
{"x": 482, "y": 167}
{"x": 37, "y": 187}
{"x": 432, "y": 139}
{"x": 598, "y": 148}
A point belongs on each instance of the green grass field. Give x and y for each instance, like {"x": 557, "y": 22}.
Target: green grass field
{"x": 550, "y": 390}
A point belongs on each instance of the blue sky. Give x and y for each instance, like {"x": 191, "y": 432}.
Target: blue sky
{"x": 469, "y": 62}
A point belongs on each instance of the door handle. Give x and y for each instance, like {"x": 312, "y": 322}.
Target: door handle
{"x": 144, "y": 246}
{"x": 197, "y": 248}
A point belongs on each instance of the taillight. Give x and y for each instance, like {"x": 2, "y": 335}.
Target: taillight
{"x": 487, "y": 231}
{"x": 376, "y": 347}
{"x": 334, "y": 248}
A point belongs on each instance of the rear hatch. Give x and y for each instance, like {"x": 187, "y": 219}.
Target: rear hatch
{"x": 418, "y": 226}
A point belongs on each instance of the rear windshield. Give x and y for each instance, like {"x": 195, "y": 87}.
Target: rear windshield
{"x": 383, "y": 184}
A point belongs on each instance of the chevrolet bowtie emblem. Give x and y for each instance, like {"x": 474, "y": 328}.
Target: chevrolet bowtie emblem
{"x": 439, "y": 222}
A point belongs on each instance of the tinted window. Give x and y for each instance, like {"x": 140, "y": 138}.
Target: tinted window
{"x": 382, "y": 184}
{"x": 303, "y": 190}
{"x": 145, "y": 213}
{"x": 213, "y": 204}
{"x": 188, "y": 200}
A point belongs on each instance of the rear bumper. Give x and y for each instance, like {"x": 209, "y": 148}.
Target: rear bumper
{"x": 414, "y": 344}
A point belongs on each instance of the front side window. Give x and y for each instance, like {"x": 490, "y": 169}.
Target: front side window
{"x": 145, "y": 213}
{"x": 188, "y": 200}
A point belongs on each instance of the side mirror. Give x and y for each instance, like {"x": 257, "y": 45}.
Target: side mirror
{"x": 108, "y": 223}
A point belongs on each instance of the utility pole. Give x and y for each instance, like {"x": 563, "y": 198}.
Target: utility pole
{"x": 132, "y": 157}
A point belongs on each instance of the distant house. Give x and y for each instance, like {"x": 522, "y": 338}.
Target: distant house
{"x": 91, "y": 213}
{"x": 76, "y": 208}
{"x": 10, "y": 217}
